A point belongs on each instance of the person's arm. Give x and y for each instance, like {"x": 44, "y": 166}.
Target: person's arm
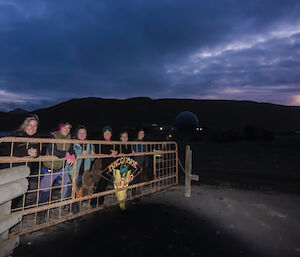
{"x": 108, "y": 149}
{"x": 20, "y": 150}
{"x": 36, "y": 150}
{"x": 118, "y": 149}
{"x": 78, "y": 150}
{"x": 134, "y": 148}
{"x": 71, "y": 150}
{"x": 56, "y": 152}
{"x": 92, "y": 151}
{"x": 113, "y": 152}
{"x": 130, "y": 149}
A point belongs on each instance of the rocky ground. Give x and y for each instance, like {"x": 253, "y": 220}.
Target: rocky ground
{"x": 213, "y": 222}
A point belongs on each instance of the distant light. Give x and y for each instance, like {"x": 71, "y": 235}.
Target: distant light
{"x": 154, "y": 125}
{"x": 161, "y": 128}
{"x": 199, "y": 129}
{"x": 170, "y": 135}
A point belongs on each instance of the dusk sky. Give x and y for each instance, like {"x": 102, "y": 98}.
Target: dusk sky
{"x": 56, "y": 50}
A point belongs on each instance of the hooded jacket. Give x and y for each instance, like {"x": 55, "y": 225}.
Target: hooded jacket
{"x": 60, "y": 150}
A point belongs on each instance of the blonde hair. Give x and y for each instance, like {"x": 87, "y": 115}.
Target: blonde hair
{"x": 26, "y": 122}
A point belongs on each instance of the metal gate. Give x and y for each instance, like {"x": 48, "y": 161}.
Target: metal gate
{"x": 151, "y": 167}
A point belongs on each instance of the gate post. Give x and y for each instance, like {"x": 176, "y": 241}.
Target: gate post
{"x": 13, "y": 183}
{"x": 188, "y": 172}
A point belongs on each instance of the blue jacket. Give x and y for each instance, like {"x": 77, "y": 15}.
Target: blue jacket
{"x": 87, "y": 162}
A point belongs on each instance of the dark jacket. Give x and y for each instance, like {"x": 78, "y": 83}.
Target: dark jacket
{"x": 20, "y": 149}
{"x": 125, "y": 149}
{"x": 106, "y": 149}
{"x": 139, "y": 148}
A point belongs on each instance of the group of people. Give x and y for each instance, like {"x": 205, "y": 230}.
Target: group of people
{"x": 61, "y": 171}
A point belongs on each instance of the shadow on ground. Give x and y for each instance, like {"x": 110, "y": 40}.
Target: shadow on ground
{"x": 143, "y": 230}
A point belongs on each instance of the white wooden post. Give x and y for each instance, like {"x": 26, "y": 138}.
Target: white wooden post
{"x": 188, "y": 172}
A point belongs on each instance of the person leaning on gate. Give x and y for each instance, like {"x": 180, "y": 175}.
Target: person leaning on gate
{"x": 125, "y": 149}
{"x": 123, "y": 176}
{"x": 53, "y": 170}
{"x": 27, "y": 129}
{"x": 142, "y": 160}
{"x": 101, "y": 164}
{"x": 83, "y": 166}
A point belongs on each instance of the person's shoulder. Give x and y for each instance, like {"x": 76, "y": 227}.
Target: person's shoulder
{"x": 51, "y": 135}
{"x": 17, "y": 133}
{"x": 77, "y": 146}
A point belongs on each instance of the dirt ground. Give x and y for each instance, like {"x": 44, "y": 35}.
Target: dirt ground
{"x": 213, "y": 222}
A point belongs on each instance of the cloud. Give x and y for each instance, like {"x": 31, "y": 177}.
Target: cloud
{"x": 261, "y": 67}
{"x": 9, "y": 101}
{"x": 65, "y": 49}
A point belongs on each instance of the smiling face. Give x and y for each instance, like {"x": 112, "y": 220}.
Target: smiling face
{"x": 107, "y": 135}
{"x": 65, "y": 130}
{"x": 141, "y": 135}
{"x": 31, "y": 128}
{"x": 124, "y": 137}
{"x": 81, "y": 134}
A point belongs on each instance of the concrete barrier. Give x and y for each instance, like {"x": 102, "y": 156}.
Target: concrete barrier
{"x": 13, "y": 174}
{"x": 13, "y": 183}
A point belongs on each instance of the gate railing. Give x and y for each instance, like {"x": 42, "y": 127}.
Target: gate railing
{"x": 153, "y": 166}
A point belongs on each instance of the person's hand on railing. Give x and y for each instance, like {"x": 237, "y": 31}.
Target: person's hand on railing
{"x": 70, "y": 162}
{"x": 113, "y": 153}
{"x": 127, "y": 180}
{"x": 32, "y": 152}
{"x": 70, "y": 159}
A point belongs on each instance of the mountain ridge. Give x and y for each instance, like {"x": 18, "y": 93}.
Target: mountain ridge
{"x": 213, "y": 114}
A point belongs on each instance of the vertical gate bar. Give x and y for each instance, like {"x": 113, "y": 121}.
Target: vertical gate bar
{"x": 63, "y": 175}
{"x": 176, "y": 163}
{"x": 74, "y": 180}
{"x": 162, "y": 163}
{"x": 38, "y": 185}
{"x": 51, "y": 182}
{"x": 11, "y": 153}
{"x": 154, "y": 166}
{"x": 161, "y": 174}
{"x": 27, "y": 144}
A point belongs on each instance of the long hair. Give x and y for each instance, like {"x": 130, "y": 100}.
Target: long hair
{"x": 26, "y": 122}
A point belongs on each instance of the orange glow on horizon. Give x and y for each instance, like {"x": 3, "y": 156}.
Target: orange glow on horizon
{"x": 295, "y": 100}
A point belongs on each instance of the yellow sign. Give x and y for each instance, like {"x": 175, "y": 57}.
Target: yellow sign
{"x": 123, "y": 170}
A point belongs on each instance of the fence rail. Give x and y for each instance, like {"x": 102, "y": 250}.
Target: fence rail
{"x": 56, "y": 195}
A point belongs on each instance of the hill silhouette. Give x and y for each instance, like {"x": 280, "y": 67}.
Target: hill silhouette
{"x": 212, "y": 114}
{"x": 18, "y": 111}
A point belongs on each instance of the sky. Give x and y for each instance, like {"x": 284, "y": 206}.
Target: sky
{"x": 52, "y": 51}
